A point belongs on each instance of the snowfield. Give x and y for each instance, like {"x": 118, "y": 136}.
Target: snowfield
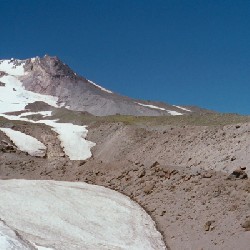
{"x": 14, "y": 97}
{"x": 25, "y": 142}
{"x": 12, "y": 67}
{"x": 72, "y": 137}
{"x": 75, "y": 216}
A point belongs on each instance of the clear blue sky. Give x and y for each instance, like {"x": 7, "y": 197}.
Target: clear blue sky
{"x": 180, "y": 52}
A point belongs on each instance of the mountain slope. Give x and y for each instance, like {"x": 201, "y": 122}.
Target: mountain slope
{"x": 50, "y": 76}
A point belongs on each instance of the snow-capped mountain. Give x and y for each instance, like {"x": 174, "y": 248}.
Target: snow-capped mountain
{"x": 65, "y": 215}
{"x": 53, "y": 162}
{"x": 49, "y": 80}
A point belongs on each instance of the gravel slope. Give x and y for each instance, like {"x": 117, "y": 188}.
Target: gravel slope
{"x": 179, "y": 174}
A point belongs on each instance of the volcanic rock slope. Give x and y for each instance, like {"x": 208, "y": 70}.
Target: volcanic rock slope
{"x": 189, "y": 172}
{"x": 50, "y": 76}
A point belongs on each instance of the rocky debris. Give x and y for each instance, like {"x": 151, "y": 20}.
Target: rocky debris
{"x": 208, "y": 225}
{"x": 233, "y": 158}
{"x": 187, "y": 177}
{"x": 2, "y": 73}
{"x": 4, "y": 142}
{"x": 247, "y": 187}
{"x": 142, "y": 173}
{"x": 163, "y": 213}
{"x": 156, "y": 163}
{"x": 246, "y": 225}
{"x": 39, "y": 106}
{"x": 207, "y": 175}
{"x": 238, "y": 174}
{"x": 2, "y": 84}
{"x": 6, "y": 147}
{"x": 9, "y": 125}
{"x": 148, "y": 188}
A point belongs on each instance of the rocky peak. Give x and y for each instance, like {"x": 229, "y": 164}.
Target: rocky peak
{"x": 49, "y": 65}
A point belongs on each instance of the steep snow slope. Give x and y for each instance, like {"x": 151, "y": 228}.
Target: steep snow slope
{"x": 13, "y": 95}
{"x": 64, "y": 215}
{"x": 12, "y": 67}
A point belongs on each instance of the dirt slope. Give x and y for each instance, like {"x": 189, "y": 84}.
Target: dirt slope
{"x": 222, "y": 148}
{"x": 179, "y": 174}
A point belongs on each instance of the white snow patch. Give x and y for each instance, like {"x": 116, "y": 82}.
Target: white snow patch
{"x": 155, "y": 107}
{"x": 72, "y": 137}
{"x": 100, "y": 87}
{"x": 173, "y": 112}
{"x": 66, "y": 215}
{"x": 13, "y": 96}
{"x": 179, "y": 107}
{"x": 43, "y": 113}
{"x": 25, "y": 142}
{"x": 10, "y": 67}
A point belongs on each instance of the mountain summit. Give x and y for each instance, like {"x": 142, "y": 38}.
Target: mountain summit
{"x": 51, "y": 77}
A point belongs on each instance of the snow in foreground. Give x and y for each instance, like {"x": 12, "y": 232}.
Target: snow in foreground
{"x": 25, "y": 142}
{"x": 65, "y": 215}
